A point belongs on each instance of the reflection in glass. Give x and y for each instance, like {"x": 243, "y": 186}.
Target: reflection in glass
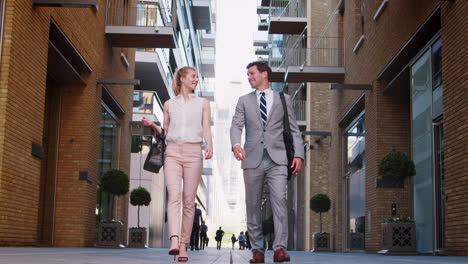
{"x": 355, "y": 169}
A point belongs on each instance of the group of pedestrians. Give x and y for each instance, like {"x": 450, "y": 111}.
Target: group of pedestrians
{"x": 263, "y": 156}
{"x": 244, "y": 241}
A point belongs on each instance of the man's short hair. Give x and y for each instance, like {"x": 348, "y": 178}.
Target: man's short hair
{"x": 262, "y": 66}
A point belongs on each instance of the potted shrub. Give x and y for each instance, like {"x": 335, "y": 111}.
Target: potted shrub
{"x": 320, "y": 203}
{"x": 137, "y": 235}
{"x": 399, "y": 235}
{"x": 110, "y": 232}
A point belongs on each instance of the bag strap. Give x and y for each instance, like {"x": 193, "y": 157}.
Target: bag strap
{"x": 160, "y": 136}
{"x": 286, "y": 115}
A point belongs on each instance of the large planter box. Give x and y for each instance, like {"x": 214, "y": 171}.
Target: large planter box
{"x": 110, "y": 235}
{"x": 137, "y": 237}
{"x": 399, "y": 237}
{"x": 321, "y": 242}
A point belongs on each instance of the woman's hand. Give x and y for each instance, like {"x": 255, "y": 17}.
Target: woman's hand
{"x": 146, "y": 122}
{"x": 208, "y": 152}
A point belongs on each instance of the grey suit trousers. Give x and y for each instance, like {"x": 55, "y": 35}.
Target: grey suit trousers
{"x": 276, "y": 177}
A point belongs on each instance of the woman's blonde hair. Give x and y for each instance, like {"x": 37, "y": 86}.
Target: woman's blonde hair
{"x": 176, "y": 82}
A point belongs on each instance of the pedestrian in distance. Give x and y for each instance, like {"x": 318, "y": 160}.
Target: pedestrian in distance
{"x": 187, "y": 124}
{"x": 241, "y": 239}
{"x": 233, "y": 240}
{"x": 264, "y": 158}
{"x": 203, "y": 235}
{"x": 219, "y": 238}
{"x": 195, "y": 236}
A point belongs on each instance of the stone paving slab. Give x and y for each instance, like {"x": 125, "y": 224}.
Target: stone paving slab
{"x": 208, "y": 256}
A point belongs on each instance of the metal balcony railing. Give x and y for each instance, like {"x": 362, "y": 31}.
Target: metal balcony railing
{"x": 287, "y": 8}
{"x": 146, "y": 15}
{"x": 324, "y": 52}
{"x": 299, "y": 107}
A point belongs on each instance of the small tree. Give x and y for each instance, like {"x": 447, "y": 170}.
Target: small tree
{"x": 396, "y": 165}
{"x": 320, "y": 203}
{"x": 114, "y": 182}
{"x": 138, "y": 197}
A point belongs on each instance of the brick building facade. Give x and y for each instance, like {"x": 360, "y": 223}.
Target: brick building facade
{"x": 52, "y": 112}
{"x": 387, "y": 46}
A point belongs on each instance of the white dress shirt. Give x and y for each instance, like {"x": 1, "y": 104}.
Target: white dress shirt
{"x": 268, "y": 98}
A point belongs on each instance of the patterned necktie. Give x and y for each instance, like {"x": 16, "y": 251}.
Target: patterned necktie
{"x": 263, "y": 109}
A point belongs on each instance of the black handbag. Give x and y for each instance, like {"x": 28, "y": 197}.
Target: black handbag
{"x": 287, "y": 136}
{"x": 155, "y": 159}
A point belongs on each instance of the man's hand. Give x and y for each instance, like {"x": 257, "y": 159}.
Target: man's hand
{"x": 239, "y": 152}
{"x": 297, "y": 165}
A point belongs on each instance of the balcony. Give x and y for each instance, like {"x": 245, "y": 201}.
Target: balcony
{"x": 260, "y": 43}
{"x": 153, "y": 70}
{"x": 321, "y": 63}
{"x": 66, "y": 3}
{"x": 262, "y": 24}
{"x": 208, "y": 62}
{"x": 262, "y": 51}
{"x": 287, "y": 17}
{"x": 201, "y": 14}
{"x": 207, "y": 40}
{"x": 262, "y": 10}
{"x": 144, "y": 26}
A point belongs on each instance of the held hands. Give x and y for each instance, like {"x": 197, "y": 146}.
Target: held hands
{"x": 208, "y": 152}
{"x": 239, "y": 152}
{"x": 297, "y": 164}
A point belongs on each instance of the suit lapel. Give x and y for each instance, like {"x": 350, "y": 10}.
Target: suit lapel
{"x": 254, "y": 103}
{"x": 276, "y": 99}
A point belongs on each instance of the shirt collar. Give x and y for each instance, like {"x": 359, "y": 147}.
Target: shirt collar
{"x": 267, "y": 91}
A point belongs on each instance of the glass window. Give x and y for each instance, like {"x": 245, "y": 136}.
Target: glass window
{"x": 108, "y": 138}
{"x": 356, "y": 182}
{"x": 437, "y": 79}
{"x": 421, "y": 92}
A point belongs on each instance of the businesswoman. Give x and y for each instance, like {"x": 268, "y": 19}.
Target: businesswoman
{"x": 187, "y": 124}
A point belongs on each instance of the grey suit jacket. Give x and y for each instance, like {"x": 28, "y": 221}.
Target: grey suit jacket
{"x": 256, "y": 136}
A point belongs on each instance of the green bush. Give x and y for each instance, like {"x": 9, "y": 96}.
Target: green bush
{"x": 140, "y": 196}
{"x": 396, "y": 165}
{"x": 320, "y": 203}
{"x": 115, "y": 182}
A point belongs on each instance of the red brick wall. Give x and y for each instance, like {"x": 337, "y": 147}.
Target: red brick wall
{"x": 454, "y": 73}
{"x": 387, "y": 115}
{"x": 23, "y": 84}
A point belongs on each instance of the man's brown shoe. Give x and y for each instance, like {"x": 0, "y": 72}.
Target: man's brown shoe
{"x": 281, "y": 256}
{"x": 258, "y": 257}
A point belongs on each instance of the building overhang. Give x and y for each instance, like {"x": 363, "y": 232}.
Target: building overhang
{"x": 260, "y": 43}
{"x": 277, "y": 75}
{"x": 140, "y": 37}
{"x": 287, "y": 25}
{"x": 66, "y": 3}
{"x": 148, "y": 70}
{"x": 201, "y": 14}
{"x": 262, "y": 51}
{"x": 263, "y": 10}
{"x": 295, "y": 74}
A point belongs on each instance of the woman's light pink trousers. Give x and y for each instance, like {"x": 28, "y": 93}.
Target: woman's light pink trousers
{"x": 183, "y": 165}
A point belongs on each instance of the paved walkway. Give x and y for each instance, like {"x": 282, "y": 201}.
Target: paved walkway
{"x": 209, "y": 256}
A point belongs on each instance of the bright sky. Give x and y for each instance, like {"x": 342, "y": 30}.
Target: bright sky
{"x": 236, "y": 27}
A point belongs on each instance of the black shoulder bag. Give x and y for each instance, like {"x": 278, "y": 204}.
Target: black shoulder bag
{"x": 155, "y": 159}
{"x": 287, "y": 136}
